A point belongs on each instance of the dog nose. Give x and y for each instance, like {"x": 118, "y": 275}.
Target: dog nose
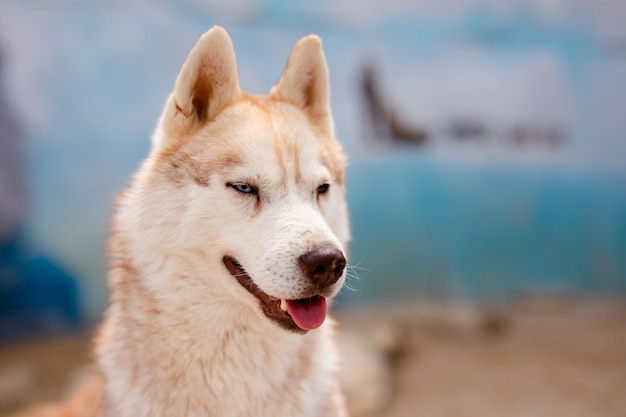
{"x": 323, "y": 265}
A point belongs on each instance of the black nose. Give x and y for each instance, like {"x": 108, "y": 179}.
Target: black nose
{"x": 323, "y": 265}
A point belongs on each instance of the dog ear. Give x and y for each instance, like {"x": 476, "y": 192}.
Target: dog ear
{"x": 305, "y": 82}
{"x": 206, "y": 84}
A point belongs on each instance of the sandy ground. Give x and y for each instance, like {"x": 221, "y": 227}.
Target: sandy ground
{"x": 545, "y": 357}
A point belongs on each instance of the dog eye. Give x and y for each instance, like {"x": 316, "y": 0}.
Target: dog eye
{"x": 243, "y": 187}
{"x": 323, "y": 189}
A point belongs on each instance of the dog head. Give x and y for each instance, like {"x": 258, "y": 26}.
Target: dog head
{"x": 247, "y": 192}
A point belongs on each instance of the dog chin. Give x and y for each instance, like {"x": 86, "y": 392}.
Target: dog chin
{"x": 295, "y": 315}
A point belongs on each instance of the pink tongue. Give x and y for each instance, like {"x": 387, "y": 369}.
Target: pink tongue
{"x": 307, "y": 313}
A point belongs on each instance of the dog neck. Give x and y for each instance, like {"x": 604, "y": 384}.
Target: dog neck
{"x": 160, "y": 357}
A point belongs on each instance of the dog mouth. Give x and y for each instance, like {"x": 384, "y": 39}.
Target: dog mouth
{"x": 297, "y": 315}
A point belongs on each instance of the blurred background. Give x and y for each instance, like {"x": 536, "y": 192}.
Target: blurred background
{"x": 487, "y": 186}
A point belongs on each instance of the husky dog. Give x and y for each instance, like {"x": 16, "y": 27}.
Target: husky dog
{"x": 225, "y": 252}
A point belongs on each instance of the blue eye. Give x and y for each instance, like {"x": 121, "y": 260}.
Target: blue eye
{"x": 243, "y": 187}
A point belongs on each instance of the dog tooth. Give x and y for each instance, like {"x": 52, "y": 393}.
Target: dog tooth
{"x": 283, "y": 304}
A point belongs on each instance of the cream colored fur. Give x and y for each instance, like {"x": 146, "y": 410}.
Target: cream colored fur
{"x": 182, "y": 337}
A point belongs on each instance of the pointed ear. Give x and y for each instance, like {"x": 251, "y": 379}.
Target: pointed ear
{"x": 206, "y": 84}
{"x": 305, "y": 82}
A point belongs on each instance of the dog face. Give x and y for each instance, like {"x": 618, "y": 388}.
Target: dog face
{"x": 248, "y": 190}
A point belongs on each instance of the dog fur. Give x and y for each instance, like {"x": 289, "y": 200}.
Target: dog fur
{"x": 235, "y": 184}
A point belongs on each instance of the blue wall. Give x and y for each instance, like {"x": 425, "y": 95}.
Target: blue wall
{"x": 428, "y": 229}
